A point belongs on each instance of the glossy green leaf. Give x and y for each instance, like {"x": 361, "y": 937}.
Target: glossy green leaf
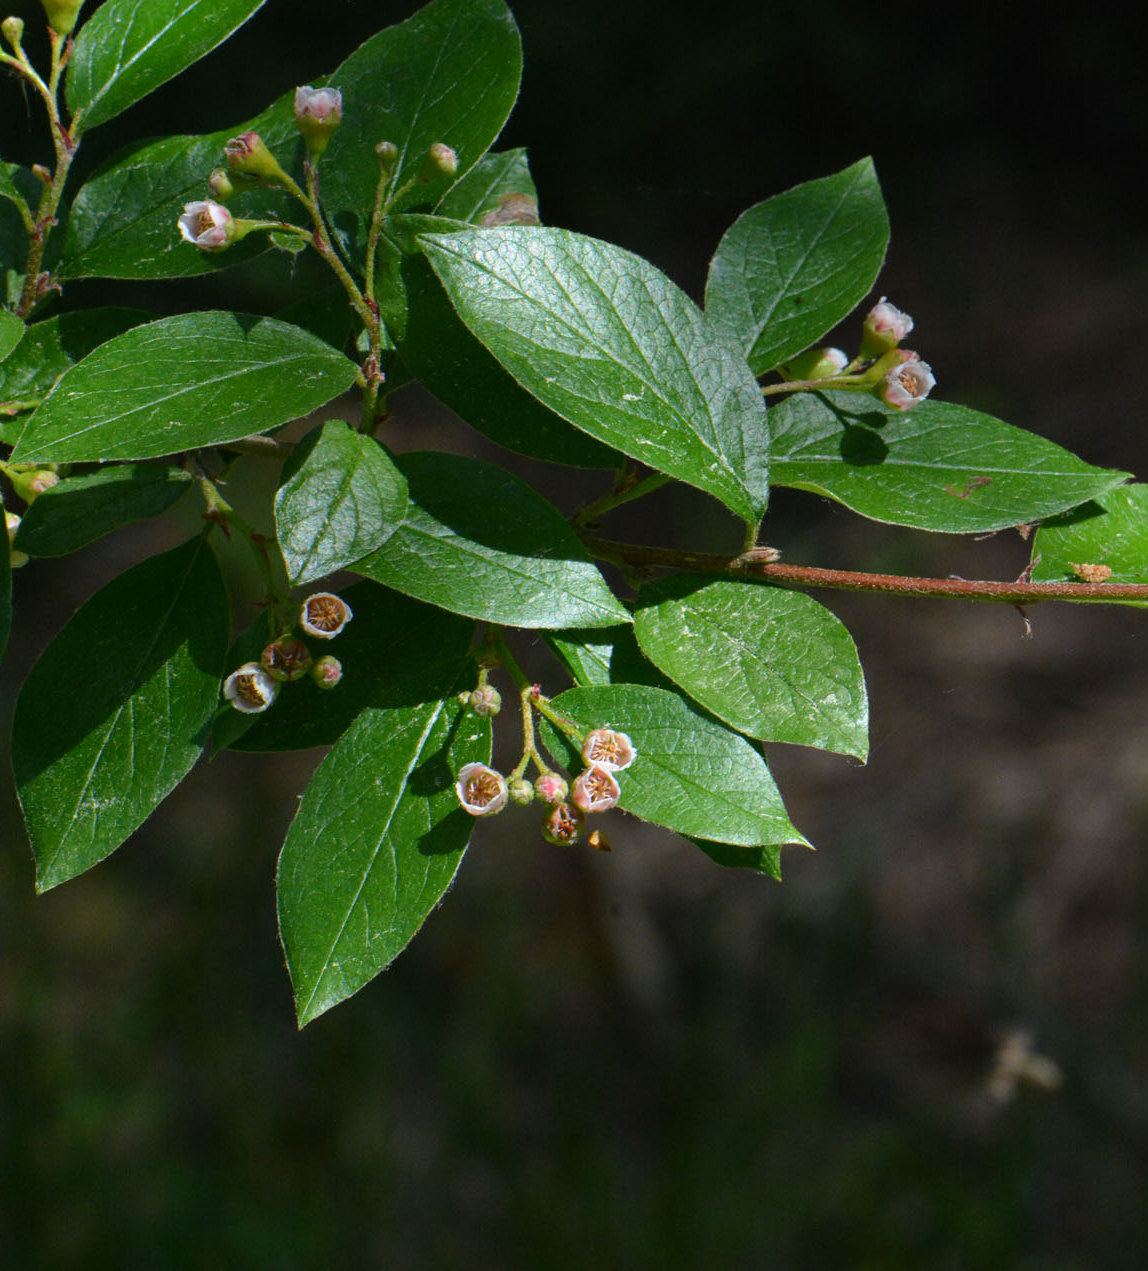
{"x": 935, "y": 467}
{"x": 480, "y": 542}
{"x": 765, "y": 859}
{"x": 123, "y": 222}
{"x": 457, "y": 369}
{"x": 691, "y": 774}
{"x": 128, "y": 48}
{"x": 605, "y": 656}
{"x": 771, "y": 663}
{"x": 20, "y": 187}
{"x": 609, "y": 343}
{"x": 491, "y": 179}
{"x": 344, "y": 502}
{"x": 197, "y": 379}
{"x": 377, "y": 840}
{"x": 789, "y": 269}
{"x": 115, "y": 713}
{"x": 85, "y": 507}
{"x": 395, "y": 652}
{"x": 448, "y": 74}
{"x": 11, "y": 332}
{"x": 1111, "y": 530}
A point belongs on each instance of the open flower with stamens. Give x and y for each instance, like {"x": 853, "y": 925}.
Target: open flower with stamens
{"x": 907, "y": 384}
{"x": 595, "y": 790}
{"x": 286, "y": 658}
{"x": 607, "y": 748}
{"x": 250, "y": 689}
{"x": 209, "y": 225}
{"x": 324, "y": 615}
{"x": 562, "y": 824}
{"x": 481, "y": 790}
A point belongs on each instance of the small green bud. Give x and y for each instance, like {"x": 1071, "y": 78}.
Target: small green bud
{"x": 28, "y": 485}
{"x": 13, "y": 29}
{"x": 521, "y": 792}
{"x": 327, "y": 671}
{"x": 62, "y": 14}
{"x": 386, "y": 152}
{"x": 816, "y": 364}
{"x": 220, "y": 185}
{"x": 248, "y": 153}
{"x": 486, "y": 700}
{"x": 441, "y": 161}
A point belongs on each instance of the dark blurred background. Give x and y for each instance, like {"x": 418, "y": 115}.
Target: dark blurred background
{"x": 926, "y": 1048}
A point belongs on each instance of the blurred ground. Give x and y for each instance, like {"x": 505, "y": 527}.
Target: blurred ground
{"x": 639, "y": 1060}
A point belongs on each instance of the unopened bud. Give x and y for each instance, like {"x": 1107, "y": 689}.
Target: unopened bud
{"x": 324, "y": 615}
{"x": 441, "y": 161}
{"x": 248, "y": 153}
{"x": 521, "y": 791}
{"x": 595, "y": 790}
{"x": 551, "y": 787}
{"x": 318, "y": 112}
{"x": 220, "y": 185}
{"x": 62, "y": 14}
{"x": 562, "y": 825}
{"x": 13, "y": 29}
{"x": 250, "y": 689}
{"x": 286, "y": 659}
{"x": 386, "y": 152}
{"x": 816, "y": 364}
{"x": 327, "y": 671}
{"x": 486, "y": 700}
{"x": 481, "y": 789}
{"x": 41, "y": 173}
{"x": 609, "y": 749}
{"x": 29, "y": 485}
{"x": 906, "y": 383}
{"x": 12, "y": 521}
{"x": 884, "y": 328}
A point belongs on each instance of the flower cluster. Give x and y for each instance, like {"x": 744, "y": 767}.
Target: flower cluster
{"x": 255, "y": 685}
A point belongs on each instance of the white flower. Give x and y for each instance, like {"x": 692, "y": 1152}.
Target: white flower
{"x": 324, "y": 615}
{"x": 888, "y": 322}
{"x": 207, "y": 224}
{"x": 608, "y": 749}
{"x": 595, "y": 790}
{"x": 319, "y": 104}
{"x": 481, "y": 790}
{"x": 250, "y": 689}
{"x": 907, "y": 384}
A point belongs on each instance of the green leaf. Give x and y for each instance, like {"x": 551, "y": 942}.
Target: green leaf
{"x": 21, "y": 188}
{"x": 771, "y": 663}
{"x": 395, "y": 652}
{"x": 765, "y": 859}
{"x": 457, "y": 369}
{"x": 123, "y": 222}
{"x": 50, "y": 347}
{"x": 11, "y": 332}
{"x": 491, "y": 179}
{"x": 480, "y": 542}
{"x": 377, "y": 840}
{"x": 114, "y": 714}
{"x": 789, "y": 269}
{"x": 128, "y": 48}
{"x": 607, "y": 655}
{"x": 450, "y": 73}
{"x": 85, "y": 507}
{"x": 344, "y": 502}
{"x": 609, "y": 343}
{"x": 935, "y": 467}
{"x": 1111, "y": 530}
{"x": 691, "y": 774}
{"x": 196, "y": 379}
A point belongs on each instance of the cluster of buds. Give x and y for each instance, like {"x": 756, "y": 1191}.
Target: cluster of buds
{"x": 484, "y": 791}
{"x": 903, "y": 379}
{"x": 255, "y": 685}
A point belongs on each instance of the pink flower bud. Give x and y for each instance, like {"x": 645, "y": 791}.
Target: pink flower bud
{"x": 485, "y": 701}
{"x": 562, "y": 825}
{"x": 327, "y": 671}
{"x": 595, "y": 790}
{"x": 606, "y": 748}
{"x": 908, "y": 383}
{"x": 551, "y": 787}
{"x": 219, "y": 185}
{"x": 324, "y": 615}
{"x": 884, "y": 328}
{"x": 248, "y": 153}
{"x": 481, "y": 789}
{"x": 208, "y": 225}
{"x": 250, "y": 689}
{"x": 17, "y": 559}
{"x": 286, "y": 658}
{"x": 318, "y": 112}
